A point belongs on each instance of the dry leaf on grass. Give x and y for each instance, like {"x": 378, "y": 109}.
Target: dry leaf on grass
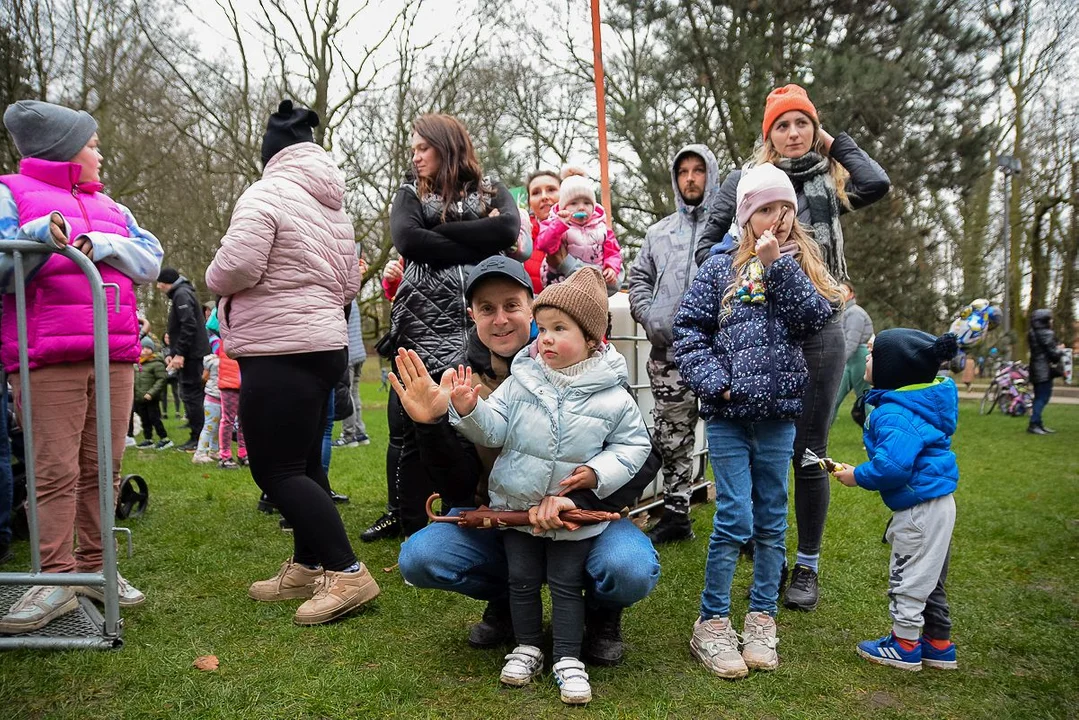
{"x": 206, "y": 662}
{"x": 390, "y": 569}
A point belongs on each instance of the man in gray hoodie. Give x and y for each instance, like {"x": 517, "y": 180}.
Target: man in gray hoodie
{"x": 658, "y": 279}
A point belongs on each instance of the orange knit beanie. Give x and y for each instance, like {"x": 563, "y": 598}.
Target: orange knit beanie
{"x": 784, "y": 99}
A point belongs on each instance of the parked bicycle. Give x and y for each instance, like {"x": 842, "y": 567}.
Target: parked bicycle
{"x": 1009, "y": 390}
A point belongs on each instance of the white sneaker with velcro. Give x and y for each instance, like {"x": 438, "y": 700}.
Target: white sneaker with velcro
{"x": 572, "y": 681}
{"x": 522, "y": 665}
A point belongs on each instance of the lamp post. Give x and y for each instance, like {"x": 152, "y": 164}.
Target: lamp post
{"x": 601, "y": 113}
{"x": 1009, "y": 165}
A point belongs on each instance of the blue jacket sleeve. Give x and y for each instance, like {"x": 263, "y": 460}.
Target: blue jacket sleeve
{"x": 704, "y": 369}
{"x": 896, "y": 445}
{"x": 799, "y": 306}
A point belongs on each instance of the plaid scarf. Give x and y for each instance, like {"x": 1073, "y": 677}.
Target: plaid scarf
{"x": 818, "y": 186}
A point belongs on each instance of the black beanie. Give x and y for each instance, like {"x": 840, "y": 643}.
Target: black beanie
{"x": 168, "y": 275}
{"x": 904, "y": 357}
{"x": 285, "y": 127}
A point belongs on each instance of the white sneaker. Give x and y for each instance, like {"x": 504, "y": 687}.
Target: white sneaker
{"x": 38, "y": 606}
{"x": 715, "y": 644}
{"x": 522, "y": 665}
{"x": 759, "y": 642}
{"x": 572, "y": 681}
{"x": 130, "y": 442}
{"x": 129, "y": 594}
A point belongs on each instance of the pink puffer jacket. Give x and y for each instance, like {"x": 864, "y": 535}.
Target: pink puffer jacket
{"x": 288, "y": 265}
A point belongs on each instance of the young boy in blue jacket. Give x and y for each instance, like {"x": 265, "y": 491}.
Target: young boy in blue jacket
{"x": 912, "y": 466}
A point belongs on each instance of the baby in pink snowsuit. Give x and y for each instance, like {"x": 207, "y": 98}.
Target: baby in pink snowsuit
{"x": 578, "y": 224}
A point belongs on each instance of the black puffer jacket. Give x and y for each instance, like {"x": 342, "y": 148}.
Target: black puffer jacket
{"x": 187, "y": 329}
{"x": 1043, "y": 346}
{"x": 867, "y": 183}
{"x": 428, "y": 313}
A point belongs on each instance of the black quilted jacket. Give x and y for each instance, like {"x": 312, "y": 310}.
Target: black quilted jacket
{"x": 428, "y": 313}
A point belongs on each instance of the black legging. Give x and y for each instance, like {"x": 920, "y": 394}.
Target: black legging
{"x": 812, "y": 487}
{"x": 283, "y": 405}
{"x": 408, "y": 480}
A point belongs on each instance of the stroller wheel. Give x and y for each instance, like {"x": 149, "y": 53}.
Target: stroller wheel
{"x": 134, "y": 497}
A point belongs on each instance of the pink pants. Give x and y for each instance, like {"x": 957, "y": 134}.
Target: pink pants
{"x": 230, "y": 420}
{"x": 64, "y": 425}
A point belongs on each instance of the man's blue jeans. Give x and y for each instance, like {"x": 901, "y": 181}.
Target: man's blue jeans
{"x": 623, "y": 566}
{"x": 750, "y": 461}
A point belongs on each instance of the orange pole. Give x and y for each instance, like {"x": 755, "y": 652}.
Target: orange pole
{"x": 601, "y": 113}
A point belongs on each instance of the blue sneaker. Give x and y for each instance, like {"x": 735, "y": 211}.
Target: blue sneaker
{"x": 888, "y": 651}
{"x": 938, "y": 659}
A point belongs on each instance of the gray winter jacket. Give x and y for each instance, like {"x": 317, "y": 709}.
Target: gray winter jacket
{"x": 664, "y": 267}
{"x": 857, "y": 327}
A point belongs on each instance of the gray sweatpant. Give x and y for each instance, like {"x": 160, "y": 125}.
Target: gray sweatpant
{"x": 920, "y": 537}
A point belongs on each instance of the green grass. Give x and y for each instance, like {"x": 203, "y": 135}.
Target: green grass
{"x": 1012, "y": 588}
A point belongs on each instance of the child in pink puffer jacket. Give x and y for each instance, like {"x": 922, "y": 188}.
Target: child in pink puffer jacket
{"x": 579, "y": 225}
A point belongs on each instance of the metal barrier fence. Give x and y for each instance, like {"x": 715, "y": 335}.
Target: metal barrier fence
{"x": 653, "y": 494}
{"x": 85, "y": 627}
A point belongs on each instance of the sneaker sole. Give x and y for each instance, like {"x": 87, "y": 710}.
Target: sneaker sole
{"x": 290, "y": 594}
{"x": 764, "y": 666}
{"x": 366, "y": 593}
{"x": 940, "y": 664}
{"x": 726, "y": 675}
{"x": 575, "y": 699}
{"x": 899, "y": 664}
{"x": 520, "y": 682}
{"x": 791, "y": 605}
{"x": 98, "y": 595}
{"x": 15, "y": 627}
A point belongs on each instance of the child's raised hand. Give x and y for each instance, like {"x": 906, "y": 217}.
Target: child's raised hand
{"x": 610, "y": 275}
{"x": 767, "y": 248}
{"x": 844, "y": 473}
{"x": 565, "y": 215}
{"x": 463, "y": 395}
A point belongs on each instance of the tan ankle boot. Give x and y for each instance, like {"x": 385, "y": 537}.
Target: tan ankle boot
{"x": 292, "y": 582}
{"x": 339, "y": 593}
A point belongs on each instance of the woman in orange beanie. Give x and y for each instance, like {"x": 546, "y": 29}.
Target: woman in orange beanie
{"x": 831, "y": 176}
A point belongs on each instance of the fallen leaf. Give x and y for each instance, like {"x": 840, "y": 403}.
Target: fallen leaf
{"x": 390, "y": 569}
{"x": 206, "y": 662}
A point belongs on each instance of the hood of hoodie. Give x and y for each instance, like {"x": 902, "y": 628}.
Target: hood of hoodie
{"x": 711, "y": 186}
{"x": 312, "y": 168}
{"x": 937, "y": 402}
{"x": 1040, "y": 319}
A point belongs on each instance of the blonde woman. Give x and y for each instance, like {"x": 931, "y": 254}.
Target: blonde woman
{"x": 831, "y": 176}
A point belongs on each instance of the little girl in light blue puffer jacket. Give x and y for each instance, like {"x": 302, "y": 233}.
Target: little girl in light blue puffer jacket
{"x": 563, "y": 419}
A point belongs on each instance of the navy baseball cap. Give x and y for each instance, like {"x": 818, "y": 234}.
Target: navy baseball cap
{"x": 498, "y": 266}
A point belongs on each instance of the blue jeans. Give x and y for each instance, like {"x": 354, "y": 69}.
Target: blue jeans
{"x": 622, "y": 566}
{"x": 327, "y": 436}
{"x": 7, "y": 482}
{"x": 750, "y": 461}
{"x": 1042, "y": 392}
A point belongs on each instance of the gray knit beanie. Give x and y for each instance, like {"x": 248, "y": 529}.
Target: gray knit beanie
{"x": 46, "y": 131}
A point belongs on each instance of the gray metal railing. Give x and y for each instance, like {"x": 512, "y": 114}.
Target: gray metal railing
{"x": 654, "y": 498}
{"x": 111, "y": 626}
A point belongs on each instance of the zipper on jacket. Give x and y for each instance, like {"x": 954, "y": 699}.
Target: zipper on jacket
{"x": 82, "y": 208}
{"x": 464, "y": 311}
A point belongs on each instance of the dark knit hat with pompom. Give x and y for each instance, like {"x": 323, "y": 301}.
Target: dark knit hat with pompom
{"x": 288, "y": 126}
{"x": 902, "y": 357}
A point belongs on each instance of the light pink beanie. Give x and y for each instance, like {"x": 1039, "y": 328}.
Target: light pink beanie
{"x": 760, "y": 185}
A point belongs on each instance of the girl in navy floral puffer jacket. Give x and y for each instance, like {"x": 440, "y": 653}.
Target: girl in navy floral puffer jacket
{"x": 738, "y": 337}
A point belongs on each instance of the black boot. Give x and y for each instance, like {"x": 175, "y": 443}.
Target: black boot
{"x": 672, "y": 527}
{"x": 266, "y": 505}
{"x": 387, "y": 526}
{"x": 496, "y": 627}
{"x": 1036, "y": 429}
{"x": 603, "y": 636}
{"x": 804, "y": 590}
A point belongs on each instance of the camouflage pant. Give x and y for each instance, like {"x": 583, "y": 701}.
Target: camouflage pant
{"x": 675, "y": 414}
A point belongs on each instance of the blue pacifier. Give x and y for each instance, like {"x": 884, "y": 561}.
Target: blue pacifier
{"x": 580, "y": 215}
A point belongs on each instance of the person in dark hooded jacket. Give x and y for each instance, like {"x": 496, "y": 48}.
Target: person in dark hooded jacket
{"x": 1044, "y": 353}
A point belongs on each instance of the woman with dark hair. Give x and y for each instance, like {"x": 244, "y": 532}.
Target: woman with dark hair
{"x": 446, "y": 217}
{"x": 542, "y": 187}
{"x": 831, "y": 176}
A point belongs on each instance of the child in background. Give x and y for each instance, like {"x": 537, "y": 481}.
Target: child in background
{"x": 738, "y": 336}
{"x": 228, "y": 386}
{"x": 578, "y": 224}
{"x": 911, "y": 464}
{"x": 207, "y": 450}
{"x": 565, "y": 397}
{"x": 150, "y": 379}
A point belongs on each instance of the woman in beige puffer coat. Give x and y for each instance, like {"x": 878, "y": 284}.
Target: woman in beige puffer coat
{"x": 286, "y": 270}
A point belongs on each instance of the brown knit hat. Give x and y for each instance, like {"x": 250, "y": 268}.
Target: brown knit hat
{"x": 582, "y": 296}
